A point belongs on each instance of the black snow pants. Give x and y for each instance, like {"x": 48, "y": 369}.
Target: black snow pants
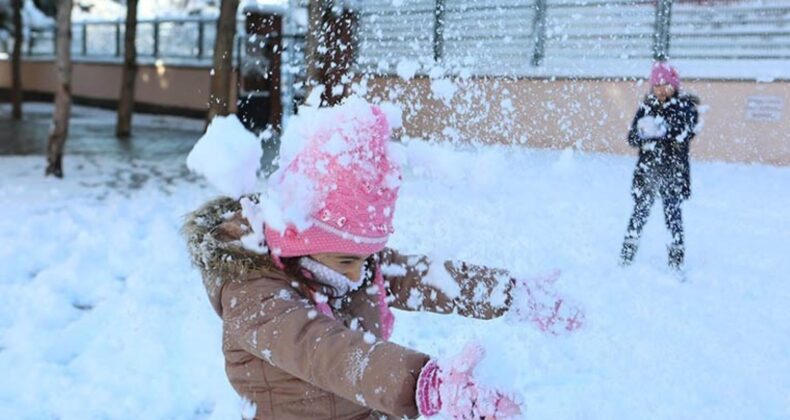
{"x": 673, "y": 219}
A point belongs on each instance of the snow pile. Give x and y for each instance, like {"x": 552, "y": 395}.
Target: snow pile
{"x": 228, "y": 155}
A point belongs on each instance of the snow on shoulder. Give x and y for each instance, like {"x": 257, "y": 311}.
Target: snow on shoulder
{"x": 228, "y": 155}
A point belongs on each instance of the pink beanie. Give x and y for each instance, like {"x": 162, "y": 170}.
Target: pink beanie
{"x": 346, "y": 161}
{"x": 662, "y": 73}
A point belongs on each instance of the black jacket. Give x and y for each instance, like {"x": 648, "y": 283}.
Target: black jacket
{"x": 664, "y": 162}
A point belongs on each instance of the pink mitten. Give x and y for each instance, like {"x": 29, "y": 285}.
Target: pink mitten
{"x": 536, "y": 301}
{"x": 450, "y": 389}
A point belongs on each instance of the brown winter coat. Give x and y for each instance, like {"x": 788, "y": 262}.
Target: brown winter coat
{"x": 295, "y": 363}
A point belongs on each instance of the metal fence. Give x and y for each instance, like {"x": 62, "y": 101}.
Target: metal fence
{"x": 182, "y": 39}
{"x": 513, "y": 36}
{"x": 487, "y": 36}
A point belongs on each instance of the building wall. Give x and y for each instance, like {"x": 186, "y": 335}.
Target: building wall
{"x": 176, "y": 86}
{"x": 589, "y": 115}
{"x": 744, "y": 121}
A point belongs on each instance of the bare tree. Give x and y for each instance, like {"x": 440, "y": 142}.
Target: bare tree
{"x": 219, "y": 97}
{"x": 16, "y": 62}
{"x": 129, "y": 73}
{"x": 60, "y": 118}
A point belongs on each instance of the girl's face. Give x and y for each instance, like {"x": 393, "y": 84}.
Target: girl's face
{"x": 349, "y": 265}
{"x": 663, "y": 92}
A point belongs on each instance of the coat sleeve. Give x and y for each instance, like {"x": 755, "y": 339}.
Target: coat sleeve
{"x": 417, "y": 283}
{"x": 271, "y": 321}
{"x": 682, "y": 124}
{"x": 634, "y": 139}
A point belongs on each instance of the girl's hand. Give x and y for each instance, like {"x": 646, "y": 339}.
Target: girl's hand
{"x": 449, "y": 388}
{"x": 535, "y": 300}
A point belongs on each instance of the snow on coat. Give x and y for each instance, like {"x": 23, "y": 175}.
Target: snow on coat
{"x": 663, "y": 134}
{"x": 291, "y": 361}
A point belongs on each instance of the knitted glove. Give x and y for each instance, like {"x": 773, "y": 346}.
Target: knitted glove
{"x": 536, "y": 301}
{"x": 449, "y": 388}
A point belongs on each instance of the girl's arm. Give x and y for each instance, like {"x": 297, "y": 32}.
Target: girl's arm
{"x": 634, "y": 139}
{"x": 682, "y": 124}
{"x": 417, "y": 283}
{"x": 271, "y": 321}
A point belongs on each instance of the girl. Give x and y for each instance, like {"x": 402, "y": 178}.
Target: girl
{"x": 662, "y": 131}
{"x": 305, "y": 323}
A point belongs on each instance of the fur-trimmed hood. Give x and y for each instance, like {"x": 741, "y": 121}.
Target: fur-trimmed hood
{"x": 213, "y": 234}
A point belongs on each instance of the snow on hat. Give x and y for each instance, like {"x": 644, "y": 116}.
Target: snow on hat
{"x": 338, "y": 170}
{"x": 662, "y": 73}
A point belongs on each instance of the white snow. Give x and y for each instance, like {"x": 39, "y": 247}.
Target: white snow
{"x": 228, "y": 155}
{"x": 103, "y": 316}
{"x": 406, "y": 69}
{"x": 444, "y": 90}
{"x": 651, "y": 127}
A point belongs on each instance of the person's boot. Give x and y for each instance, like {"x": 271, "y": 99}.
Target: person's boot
{"x": 676, "y": 254}
{"x": 628, "y": 252}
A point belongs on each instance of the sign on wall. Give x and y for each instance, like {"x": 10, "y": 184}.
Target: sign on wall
{"x": 764, "y": 108}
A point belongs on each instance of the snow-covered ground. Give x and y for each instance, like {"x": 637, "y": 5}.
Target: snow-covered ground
{"x": 103, "y": 316}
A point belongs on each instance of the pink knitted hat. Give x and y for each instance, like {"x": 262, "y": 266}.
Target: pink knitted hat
{"x": 345, "y": 161}
{"x": 662, "y": 73}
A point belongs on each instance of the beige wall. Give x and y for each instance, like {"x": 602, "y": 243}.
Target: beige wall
{"x": 178, "y": 86}
{"x": 587, "y": 114}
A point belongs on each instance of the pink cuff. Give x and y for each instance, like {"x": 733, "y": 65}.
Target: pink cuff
{"x": 429, "y": 402}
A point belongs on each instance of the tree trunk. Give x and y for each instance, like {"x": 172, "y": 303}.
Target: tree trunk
{"x": 219, "y": 98}
{"x": 316, "y": 38}
{"x": 60, "y": 119}
{"x": 16, "y": 62}
{"x": 129, "y": 74}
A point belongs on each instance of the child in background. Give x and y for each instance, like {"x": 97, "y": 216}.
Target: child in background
{"x": 306, "y": 317}
{"x": 662, "y": 130}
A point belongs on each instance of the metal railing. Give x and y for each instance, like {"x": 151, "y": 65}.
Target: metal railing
{"x": 491, "y": 35}
{"x": 188, "y": 39}
{"x": 517, "y": 35}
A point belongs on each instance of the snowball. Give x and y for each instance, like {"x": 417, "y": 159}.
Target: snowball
{"x": 228, "y": 156}
{"x": 651, "y": 127}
